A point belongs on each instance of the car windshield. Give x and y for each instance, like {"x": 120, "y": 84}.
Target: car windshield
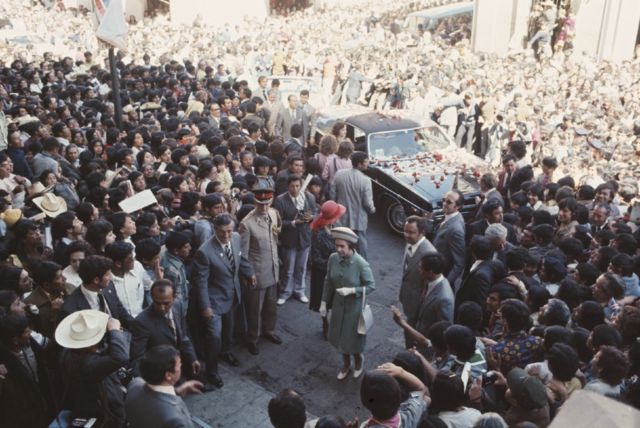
{"x": 407, "y": 143}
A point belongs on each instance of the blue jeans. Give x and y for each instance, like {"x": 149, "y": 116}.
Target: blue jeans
{"x": 295, "y": 269}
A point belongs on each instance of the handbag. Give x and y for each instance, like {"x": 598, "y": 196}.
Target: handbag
{"x": 366, "y": 316}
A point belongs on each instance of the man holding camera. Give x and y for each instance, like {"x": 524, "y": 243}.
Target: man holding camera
{"x": 297, "y": 208}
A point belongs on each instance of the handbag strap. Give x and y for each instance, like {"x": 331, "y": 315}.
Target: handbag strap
{"x": 364, "y": 296}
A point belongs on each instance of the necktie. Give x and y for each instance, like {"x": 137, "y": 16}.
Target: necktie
{"x": 172, "y": 325}
{"x": 229, "y": 254}
{"x": 102, "y": 303}
{"x": 506, "y": 182}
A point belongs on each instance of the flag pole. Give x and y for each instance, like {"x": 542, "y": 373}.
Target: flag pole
{"x": 115, "y": 88}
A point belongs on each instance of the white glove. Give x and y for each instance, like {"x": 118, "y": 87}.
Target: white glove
{"x": 345, "y": 291}
{"x": 323, "y": 309}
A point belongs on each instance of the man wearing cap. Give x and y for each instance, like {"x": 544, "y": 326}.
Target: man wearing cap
{"x": 259, "y": 239}
{"x": 527, "y": 396}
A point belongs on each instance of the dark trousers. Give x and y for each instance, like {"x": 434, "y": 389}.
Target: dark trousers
{"x": 317, "y": 286}
{"x": 261, "y": 309}
{"x": 218, "y": 332}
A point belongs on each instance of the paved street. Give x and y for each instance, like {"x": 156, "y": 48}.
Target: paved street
{"x": 305, "y": 362}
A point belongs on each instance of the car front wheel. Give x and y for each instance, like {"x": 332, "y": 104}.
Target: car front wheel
{"x": 395, "y": 216}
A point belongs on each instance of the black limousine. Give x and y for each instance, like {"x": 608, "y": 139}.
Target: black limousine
{"x": 413, "y": 163}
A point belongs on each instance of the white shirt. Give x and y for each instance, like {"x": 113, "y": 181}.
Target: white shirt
{"x": 475, "y": 265}
{"x": 448, "y": 217}
{"x": 411, "y": 248}
{"x": 72, "y": 276}
{"x": 431, "y": 284}
{"x": 298, "y": 201}
{"x": 165, "y": 389}
{"x": 92, "y": 299}
{"x": 130, "y": 291}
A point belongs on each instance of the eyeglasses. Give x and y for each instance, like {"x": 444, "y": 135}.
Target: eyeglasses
{"x": 448, "y": 201}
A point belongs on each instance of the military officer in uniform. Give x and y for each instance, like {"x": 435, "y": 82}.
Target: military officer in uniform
{"x": 259, "y": 237}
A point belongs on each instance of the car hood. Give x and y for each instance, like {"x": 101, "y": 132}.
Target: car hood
{"x": 431, "y": 175}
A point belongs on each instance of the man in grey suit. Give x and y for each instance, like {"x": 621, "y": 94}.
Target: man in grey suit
{"x": 153, "y": 400}
{"x": 308, "y": 117}
{"x": 352, "y": 188}
{"x": 288, "y": 116}
{"x": 488, "y": 183}
{"x": 449, "y": 238}
{"x": 216, "y": 280}
{"x": 412, "y": 280}
{"x": 436, "y": 302}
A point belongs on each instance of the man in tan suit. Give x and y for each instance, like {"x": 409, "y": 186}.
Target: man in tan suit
{"x": 259, "y": 237}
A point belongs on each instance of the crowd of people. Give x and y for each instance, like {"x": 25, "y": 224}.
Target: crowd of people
{"x": 137, "y": 249}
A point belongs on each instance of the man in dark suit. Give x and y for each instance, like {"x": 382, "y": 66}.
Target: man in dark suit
{"x": 153, "y": 400}
{"x": 493, "y": 213}
{"x": 488, "y": 183}
{"x": 449, "y": 238}
{"x": 600, "y": 215}
{"x": 436, "y": 299}
{"x": 162, "y": 323}
{"x": 96, "y": 292}
{"x": 296, "y": 209}
{"x": 308, "y": 117}
{"x": 214, "y": 116}
{"x": 295, "y": 166}
{"x": 483, "y": 273}
{"x": 412, "y": 280}
{"x": 509, "y": 168}
{"x": 216, "y": 278}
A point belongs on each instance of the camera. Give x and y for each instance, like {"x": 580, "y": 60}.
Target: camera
{"x": 124, "y": 375}
{"x": 489, "y": 378}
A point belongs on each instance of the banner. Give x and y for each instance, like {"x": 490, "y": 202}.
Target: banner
{"x": 110, "y": 24}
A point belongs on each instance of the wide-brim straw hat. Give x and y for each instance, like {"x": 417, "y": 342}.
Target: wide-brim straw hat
{"x": 51, "y": 204}
{"x": 82, "y": 329}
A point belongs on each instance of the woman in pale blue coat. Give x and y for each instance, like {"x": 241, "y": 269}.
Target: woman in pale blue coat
{"x": 348, "y": 275}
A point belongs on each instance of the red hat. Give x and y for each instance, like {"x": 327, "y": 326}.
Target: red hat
{"x": 330, "y": 212}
